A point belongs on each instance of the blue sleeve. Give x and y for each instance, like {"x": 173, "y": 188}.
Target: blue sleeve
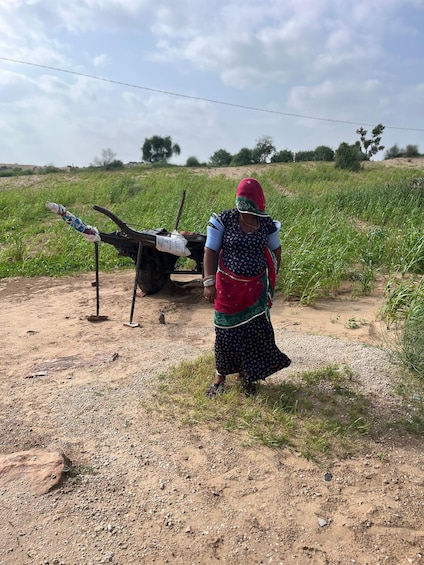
{"x": 273, "y": 240}
{"x": 214, "y": 233}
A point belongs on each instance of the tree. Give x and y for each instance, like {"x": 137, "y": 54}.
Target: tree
{"x": 243, "y": 157}
{"x": 412, "y": 151}
{"x": 283, "y": 156}
{"x": 263, "y": 150}
{"x": 221, "y": 158}
{"x": 349, "y": 157}
{"x": 115, "y": 164}
{"x": 393, "y": 152}
{"x": 371, "y": 146}
{"x": 324, "y": 153}
{"x": 192, "y": 162}
{"x": 305, "y": 156}
{"x": 156, "y": 149}
{"x": 106, "y": 158}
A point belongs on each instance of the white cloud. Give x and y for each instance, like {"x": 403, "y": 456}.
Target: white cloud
{"x": 100, "y": 60}
{"x": 318, "y": 58}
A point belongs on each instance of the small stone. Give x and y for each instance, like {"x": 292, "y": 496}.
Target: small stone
{"x": 322, "y": 523}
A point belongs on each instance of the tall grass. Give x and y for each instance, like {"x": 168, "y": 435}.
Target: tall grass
{"x": 404, "y": 311}
{"x": 337, "y": 226}
{"x": 318, "y": 250}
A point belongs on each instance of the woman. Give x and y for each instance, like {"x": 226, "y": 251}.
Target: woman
{"x": 241, "y": 259}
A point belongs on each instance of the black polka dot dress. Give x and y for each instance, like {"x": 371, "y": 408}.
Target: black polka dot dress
{"x": 248, "y": 348}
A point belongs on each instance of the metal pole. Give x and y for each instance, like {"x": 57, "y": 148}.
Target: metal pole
{"x": 137, "y": 269}
{"x": 180, "y": 210}
{"x": 96, "y": 256}
{"x": 97, "y": 317}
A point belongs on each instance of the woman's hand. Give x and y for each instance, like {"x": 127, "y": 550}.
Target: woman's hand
{"x": 209, "y": 293}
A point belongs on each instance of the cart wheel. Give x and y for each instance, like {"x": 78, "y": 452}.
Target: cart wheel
{"x": 150, "y": 278}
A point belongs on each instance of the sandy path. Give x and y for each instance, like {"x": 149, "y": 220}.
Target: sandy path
{"x": 160, "y": 493}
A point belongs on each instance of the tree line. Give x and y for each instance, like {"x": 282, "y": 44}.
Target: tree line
{"x": 346, "y": 156}
{"x": 159, "y": 150}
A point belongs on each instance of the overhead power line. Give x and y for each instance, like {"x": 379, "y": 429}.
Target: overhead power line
{"x": 199, "y": 98}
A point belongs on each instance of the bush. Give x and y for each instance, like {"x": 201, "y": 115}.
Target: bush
{"x": 283, "y": 156}
{"x": 242, "y": 158}
{"x": 305, "y": 156}
{"x": 114, "y": 165}
{"x": 348, "y": 157}
{"x": 412, "y": 151}
{"x": 192, "y": 162}
{"x": 393, "y": 152}
{"x": 221, "y": 158}
{"x": 405, "y": 309}
{"x": 324, "y": 153}
{"x": 49, "y": 169}
{"x": 412, "y": 344}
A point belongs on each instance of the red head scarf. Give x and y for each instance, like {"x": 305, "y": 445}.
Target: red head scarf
{"x": 250, "y": 198}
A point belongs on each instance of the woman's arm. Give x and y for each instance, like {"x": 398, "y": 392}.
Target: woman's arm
{"x": 209, "y": 262}
{"x": 277, "y": 253}
{"x": 209, "y": 271}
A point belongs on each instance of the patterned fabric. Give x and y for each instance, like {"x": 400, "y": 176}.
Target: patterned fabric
{"x": 90, "y": 233}
{"x": 243, "y": 253}
{"x": 239, "y": 299}
{"x": 245, "y": 341}
{"x": 249, "y": 350}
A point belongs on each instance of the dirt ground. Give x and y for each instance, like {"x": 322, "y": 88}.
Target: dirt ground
{"x": 153, "y": 491}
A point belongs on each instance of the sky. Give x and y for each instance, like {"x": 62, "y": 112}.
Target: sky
{"x": 78, "y": 77}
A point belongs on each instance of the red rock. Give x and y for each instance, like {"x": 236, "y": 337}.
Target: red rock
{"x": 37, "y": 470}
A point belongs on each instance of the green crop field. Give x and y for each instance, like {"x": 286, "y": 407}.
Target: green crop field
{"x": 338, "y": 227}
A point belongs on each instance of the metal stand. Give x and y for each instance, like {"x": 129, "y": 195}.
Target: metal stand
{"x": 97, "y": 317}
{"x": 132, "y": 324}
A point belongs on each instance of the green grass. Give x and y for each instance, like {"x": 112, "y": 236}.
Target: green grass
{"x": 404, "y": 313}
{"x": 320, "y": 414}
{"x": 76, "y": 472}
{"x": 411, "y": 390}
{"x": 323, "y": 415}
{"x": 336, "y": 226}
